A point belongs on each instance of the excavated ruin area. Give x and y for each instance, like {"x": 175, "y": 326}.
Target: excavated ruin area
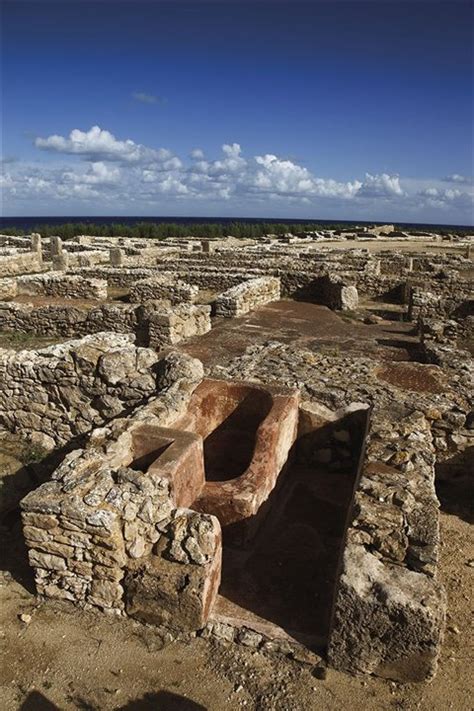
{"x": 280, "y": 493}
{"x": 306, "y": 325}
{"x": 283, "y": 521}
{"x": 281, "y": 582}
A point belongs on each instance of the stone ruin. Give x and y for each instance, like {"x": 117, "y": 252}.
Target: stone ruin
{"x": 283, "y": 499}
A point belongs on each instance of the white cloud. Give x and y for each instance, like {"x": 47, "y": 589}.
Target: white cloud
{"x": 232, "y": 163}
{"x": 380, "y": 186}
{"x": 122, "y": 172}
{"x": 97, "y": 144}
{"x": 446, "y": 198}
{"x": 172, "y": 186}
{"x": 284, "y": 177}
{"x": 98, "y": 174}
{"x": 456, "y": 178}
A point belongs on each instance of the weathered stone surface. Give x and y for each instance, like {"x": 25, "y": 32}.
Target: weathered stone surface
{"x": 387, "y": 620}
{"x": 97, "y": 516}
{"x": 163, "y": 286}
{"x": 178, "y": 591}
{"x": 59, "y": 284}
{"x": 69, "y": 382}
{"x": 243, "y": 298}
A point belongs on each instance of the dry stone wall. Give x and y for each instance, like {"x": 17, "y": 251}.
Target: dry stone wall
{"x": 247, "y": 296}
{"x": 171, "y": 325}
{"x": 22, "y": 263}
{"x": 68, "y": 321}
{"x": 55, "y": 394}
{"x": 59, "y": 284}
{"x": 163, "y": 286}
{"x": 99, "y": 518}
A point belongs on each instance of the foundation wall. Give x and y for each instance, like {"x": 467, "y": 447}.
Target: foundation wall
{"x": 154, "y": 324}
{"x": 59, "y": 284}
{"x": 243, "y": 298}
{"x": 389, "y": 562}
{"x": 68, "y": 321}
{"x": 23, "y": 263}
{"x": 55, "y": 394}
{"x": 165, "y": 286}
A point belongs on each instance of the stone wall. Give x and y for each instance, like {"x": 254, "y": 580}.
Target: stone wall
{"x": 21, "y": 263}
{"x": 120, "y": 277}
{"x": 104, "y": 533}
{"x": 388, "y": 608}
{"x": 247, "y": 296}
{"x": 163, "y": 286}
{"x": 390, "y": 560}
{"x": 450, "y": 298}
{"x": 87, "y": 258}
{"x": 8, "y": 289}
{"x": 68, "y": 321}
{"x": 60, "y": 284}
{"x": 53, "y": 395}
{"x": 155, "y": 324}
{"x": 171, "y": 325}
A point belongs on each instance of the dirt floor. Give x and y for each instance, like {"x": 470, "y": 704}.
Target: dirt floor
{"x": 307, "y": 326}
{"x": 57, "y": 657}
{"x": 417, "y": 246}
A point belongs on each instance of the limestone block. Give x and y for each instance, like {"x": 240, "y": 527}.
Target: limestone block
{"x": 178, "y": 594}
{"x": 116, "y": 256}
{"x": 387, "y": 620}
{"x": 349, "y": 298}
{"x": 241, "y": 299}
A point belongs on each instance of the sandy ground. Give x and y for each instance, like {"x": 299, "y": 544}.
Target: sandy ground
{"x": 67, "y": 659}
{"x": 420, "y": 246}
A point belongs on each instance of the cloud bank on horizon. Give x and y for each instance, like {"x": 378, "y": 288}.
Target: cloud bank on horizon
{"x": 103, "y": 173}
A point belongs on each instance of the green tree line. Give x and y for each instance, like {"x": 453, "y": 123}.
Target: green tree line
{"x": 165, "y": 230}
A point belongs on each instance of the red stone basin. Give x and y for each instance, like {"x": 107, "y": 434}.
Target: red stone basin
{"x": 248, "y": 431}
{"x": 172, "y": 454}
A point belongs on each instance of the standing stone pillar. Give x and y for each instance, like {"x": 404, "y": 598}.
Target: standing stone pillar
{"x": 406, "y": 293}
{"x": 409, "y": 264}
{"x": 208, "y": 246}
{"x": 56, "y": 246}
{"x": 36, "y": 245}
{"x": 377, "y": 266}
{"x": 469, "y": 251}
{"x": 116, "y": 256}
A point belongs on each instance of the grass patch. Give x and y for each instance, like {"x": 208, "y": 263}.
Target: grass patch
{"x": 18, "y": 341}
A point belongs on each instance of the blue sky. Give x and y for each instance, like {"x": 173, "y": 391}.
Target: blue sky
{"x": 334, "y": 110}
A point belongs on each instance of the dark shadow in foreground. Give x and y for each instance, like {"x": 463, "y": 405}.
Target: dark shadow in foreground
{"x": 159, "y": 701}
{"x": 455, "y": 485}
{"x": 35, "y": 701}
{"x": 162, "y": 701}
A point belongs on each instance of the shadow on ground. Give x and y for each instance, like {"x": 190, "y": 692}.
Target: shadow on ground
{"x": 455, "y": 485}
{"x": 159, "y": 701}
